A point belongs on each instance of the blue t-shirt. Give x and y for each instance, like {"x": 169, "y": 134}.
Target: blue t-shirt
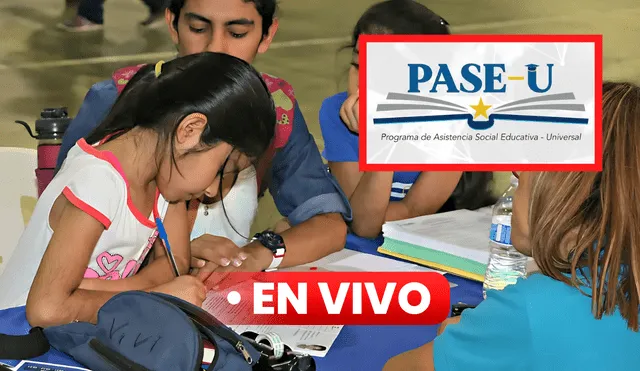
{"x": 341, "y": 145}
{"x": 538, "y": 324}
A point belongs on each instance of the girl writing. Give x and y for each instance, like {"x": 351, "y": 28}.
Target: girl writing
{"x": 377, "y": 197}
{"x": 580, "y": 312}
{"x": 165, "y": 141}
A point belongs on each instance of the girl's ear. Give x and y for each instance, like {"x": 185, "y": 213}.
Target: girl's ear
{"x": 189, "y": 131}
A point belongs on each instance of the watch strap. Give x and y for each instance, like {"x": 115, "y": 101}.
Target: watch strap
{"x": 278, "y": 256}
{"x": 278, "y": 253}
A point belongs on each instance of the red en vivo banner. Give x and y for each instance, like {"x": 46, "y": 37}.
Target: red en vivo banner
{"x": 328, "y": 298}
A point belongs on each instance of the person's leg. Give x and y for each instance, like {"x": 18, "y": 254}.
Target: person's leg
{"x": 156, "y": 12}
{"x": 70, "y": 10}
{"x": 90, "y": 17}
{"x": 92, "y": 10}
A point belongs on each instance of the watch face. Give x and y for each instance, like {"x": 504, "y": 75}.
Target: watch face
{"x": 272, "y": 240}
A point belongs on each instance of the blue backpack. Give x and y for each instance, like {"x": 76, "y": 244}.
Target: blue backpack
{"x": 141, "y": 331}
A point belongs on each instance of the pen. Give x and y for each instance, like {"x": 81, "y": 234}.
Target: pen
{"x": 162, "y": 233}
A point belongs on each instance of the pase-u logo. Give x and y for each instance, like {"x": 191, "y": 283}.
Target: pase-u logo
{"x": 479, "y": 79}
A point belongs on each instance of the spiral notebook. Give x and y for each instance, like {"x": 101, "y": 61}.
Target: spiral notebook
{"x": 455, "y": 242}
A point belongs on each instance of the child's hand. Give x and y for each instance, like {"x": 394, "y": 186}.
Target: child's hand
{"x": 210, "y": 252}
{"x": 187, "y": 288}
{"x": 350, "y": 112}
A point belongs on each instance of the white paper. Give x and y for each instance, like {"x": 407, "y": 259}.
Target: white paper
{"x": 488, "y": 210}
{"x": 463, "y": 233}
{"x": 354, "y": 261}
{"x": 39, "y": 366}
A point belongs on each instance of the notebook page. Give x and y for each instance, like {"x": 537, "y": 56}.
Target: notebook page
{"x": 463, "y": 233}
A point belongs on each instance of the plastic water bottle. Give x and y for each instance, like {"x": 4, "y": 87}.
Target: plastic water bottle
{"x": 506, "y": 264}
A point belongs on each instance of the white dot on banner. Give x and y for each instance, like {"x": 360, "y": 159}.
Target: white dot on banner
{"x": 233, "y": 297}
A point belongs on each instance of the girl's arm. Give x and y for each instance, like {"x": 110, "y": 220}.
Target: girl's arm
{"x": 426, "y": 196}
{"x": 159, "y": 271}
{"x": 55, "y": 297}
{"x": 58, "y": 296}
{"x": 368, "y": 194}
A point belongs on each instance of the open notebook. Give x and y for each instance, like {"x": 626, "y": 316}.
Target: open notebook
{"x": 456, "y": 242}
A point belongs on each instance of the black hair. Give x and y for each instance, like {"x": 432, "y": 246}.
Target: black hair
{"x": 225, "y": 89}
{"x": 400, "y": 17}
{"x": 474, "y": 190}
{"x": 266, "y": 9}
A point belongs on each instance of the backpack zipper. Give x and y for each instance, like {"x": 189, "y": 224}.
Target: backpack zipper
{"x": 247, "y": 357}
{"x": 217, "y": 327}
{"x": 228, "y": 336}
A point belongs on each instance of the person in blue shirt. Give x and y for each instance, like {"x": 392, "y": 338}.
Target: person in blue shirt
{"x": 580, "y": 311}
{"x": 377, "y": 197}
{"x": 302, "y": 189}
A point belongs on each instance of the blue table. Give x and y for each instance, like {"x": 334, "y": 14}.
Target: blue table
{"x": 356, "y": 348}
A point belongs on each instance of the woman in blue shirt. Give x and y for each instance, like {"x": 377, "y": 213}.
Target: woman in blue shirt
{"x": 377, "y": 197}
{"x": 583, "y": 230}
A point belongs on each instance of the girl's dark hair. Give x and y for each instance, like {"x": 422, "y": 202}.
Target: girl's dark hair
{"x": 266, "y": 9}
{"x": 226, "y": 89}
{"x": 400, "y": 17}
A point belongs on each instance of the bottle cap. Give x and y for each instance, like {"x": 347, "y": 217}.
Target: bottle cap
{"x": 53, "y": 123}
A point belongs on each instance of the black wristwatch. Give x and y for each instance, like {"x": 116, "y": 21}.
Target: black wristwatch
{"x": 275, "y": 243}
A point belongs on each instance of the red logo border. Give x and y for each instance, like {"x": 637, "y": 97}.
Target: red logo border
{"x": 363, "y": 42}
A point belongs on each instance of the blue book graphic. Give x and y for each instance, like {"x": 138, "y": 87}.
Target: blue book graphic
{"x": 503, "y": 112}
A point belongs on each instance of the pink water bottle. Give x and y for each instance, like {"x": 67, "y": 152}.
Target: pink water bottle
{"x": 49, "y": 131}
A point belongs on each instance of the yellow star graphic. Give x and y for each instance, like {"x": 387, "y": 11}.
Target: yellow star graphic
{"x": 481, "y": 109}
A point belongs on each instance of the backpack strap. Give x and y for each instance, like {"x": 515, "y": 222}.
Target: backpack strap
{"x": 285, "y": 101}
{"x": 19, "y": 347}
{"x": 122, "y": 76}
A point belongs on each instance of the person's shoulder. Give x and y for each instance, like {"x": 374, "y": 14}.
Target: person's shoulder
{"x": 329, "y": 117}
{"x": 84, "y": 164}
{"x": 285, "y": 102}
{"x": 278, "y": 86}
{"x": 121, "y": 77}
{"x": 331, "y": 105}
{"x": 527, "y": 291}
{"x": 101, "y": 89}
{"x": 538, "y": 286}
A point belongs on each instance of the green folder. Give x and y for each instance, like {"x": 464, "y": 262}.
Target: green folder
{"x": 439, "y": 260}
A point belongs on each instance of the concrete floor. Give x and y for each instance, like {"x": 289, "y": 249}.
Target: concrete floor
{"x": 42, "y": 67}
